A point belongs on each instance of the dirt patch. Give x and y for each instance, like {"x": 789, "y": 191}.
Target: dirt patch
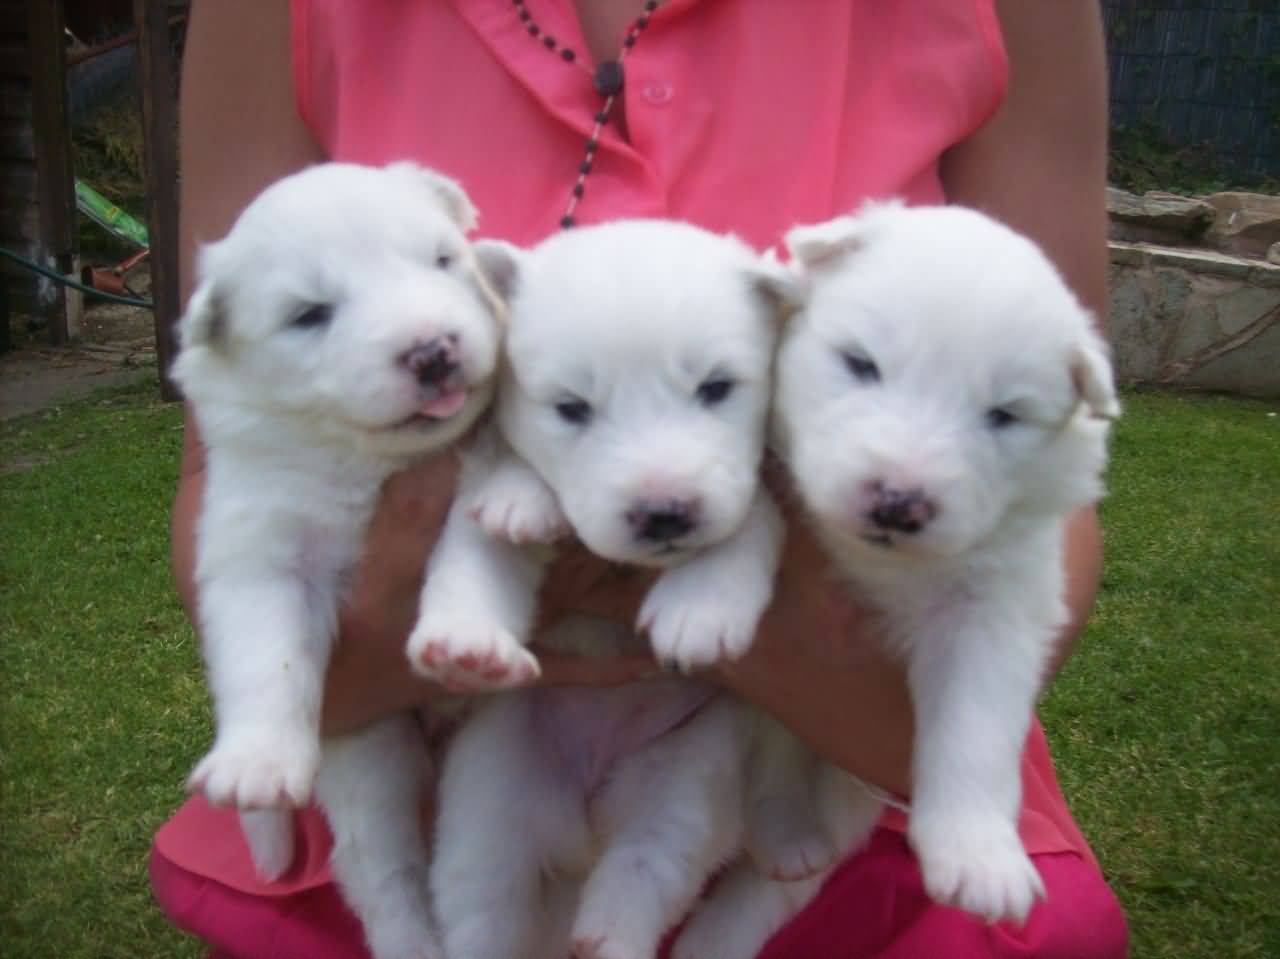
{"x": 116, "y": 346}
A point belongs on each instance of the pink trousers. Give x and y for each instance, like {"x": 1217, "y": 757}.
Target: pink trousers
{"x": 874, "y": 906}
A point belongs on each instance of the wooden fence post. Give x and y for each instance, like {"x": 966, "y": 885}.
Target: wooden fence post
{"x": 55, "y": 178}
{"x": 160, "y": 133}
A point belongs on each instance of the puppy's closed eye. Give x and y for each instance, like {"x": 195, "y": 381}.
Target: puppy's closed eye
{"x": 999, "y": 418}
{"x": 575, "y": 411}
{"x": 715, "y": 390}
{"x": 313, "y": 317}
{"x": 862, "y": 367}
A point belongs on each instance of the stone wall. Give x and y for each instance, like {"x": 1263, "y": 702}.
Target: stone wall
{"x": 1195, "y": 319}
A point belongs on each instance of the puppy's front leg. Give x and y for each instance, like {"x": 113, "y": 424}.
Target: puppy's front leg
{"x": 706, "y": 610}
{"x": 510, "y": 500}
{"x": 267, "y": 641}
{"x": 477, "y": 608}
{"x": 974, "y": 693}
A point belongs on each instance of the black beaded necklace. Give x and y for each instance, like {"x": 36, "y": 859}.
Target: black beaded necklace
{"x": 608, "y": 80}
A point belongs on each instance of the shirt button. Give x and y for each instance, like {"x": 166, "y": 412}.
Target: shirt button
{"x": 657, "y": 92}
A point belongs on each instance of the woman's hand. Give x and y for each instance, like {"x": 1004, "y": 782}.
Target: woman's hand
{"x": 369, "y": 674}
{"x": 816, "y": 663}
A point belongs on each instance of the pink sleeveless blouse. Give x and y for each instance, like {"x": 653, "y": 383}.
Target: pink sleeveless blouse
{"x": 743, "y": 116}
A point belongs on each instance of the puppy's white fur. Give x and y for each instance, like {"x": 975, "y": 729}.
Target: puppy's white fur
{"x": 943, "y": 404}
{"x": 584, "y": 820}
{"x": 636, "y": 391}
{"x": 340, "y": 330}
{"x": 637, "y": 383}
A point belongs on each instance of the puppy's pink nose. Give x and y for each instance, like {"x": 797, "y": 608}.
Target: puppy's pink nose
{"x": 433, "y": 362}
{"x": 903, "y": 511}
{"x": 662, "y": 521}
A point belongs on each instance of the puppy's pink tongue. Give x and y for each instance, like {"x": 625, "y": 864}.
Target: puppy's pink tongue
{"x": 445, "y": 405}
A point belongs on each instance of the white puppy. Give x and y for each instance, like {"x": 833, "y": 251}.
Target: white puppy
{"x": 339, "y": 331}
{"x": 635, "y": 399}
{"x": 635, "y": 402}
{"x": 942, "y": 403}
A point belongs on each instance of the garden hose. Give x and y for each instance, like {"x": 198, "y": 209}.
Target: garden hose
{"x": 74, "y": 284}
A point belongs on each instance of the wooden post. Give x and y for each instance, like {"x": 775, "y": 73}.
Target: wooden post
{"x": 160, "y": 133}
{"x": 54, "y": 175}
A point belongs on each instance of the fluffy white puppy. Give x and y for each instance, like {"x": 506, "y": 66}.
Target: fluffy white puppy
{"x": 635, "y": 401}
{"x": 632, "y": 410}
{"x": 943, "y": 405}
{"x": 340, "y": 330}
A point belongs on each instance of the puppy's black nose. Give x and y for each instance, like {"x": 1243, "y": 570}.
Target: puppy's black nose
{"x": 662, "y": 522}
{"x": 904, "y": 511}
{"x": 433, "y": 362}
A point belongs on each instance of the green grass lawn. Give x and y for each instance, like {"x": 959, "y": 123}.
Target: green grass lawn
{"x": 1166, "y": 725}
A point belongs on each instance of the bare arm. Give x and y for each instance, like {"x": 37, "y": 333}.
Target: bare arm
{"x": 1040, "y": 166}
{"x": 239, "y": 132}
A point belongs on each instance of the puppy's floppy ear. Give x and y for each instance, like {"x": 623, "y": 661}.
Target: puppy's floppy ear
{"x": 823, "y": 244}
{"x": 204, "y": 322}
{"x": 457, "y": 205}
{"x": 783, "y": 290}
{"x": 814, "y": 247}
{"x": 1092, "y": 376}
{"x": 499, "y": 263}
{"x": 496, "y": 274}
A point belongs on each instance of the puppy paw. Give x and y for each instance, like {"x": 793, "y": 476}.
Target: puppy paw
{"x": 980, "y": 868}
{"x": 620, "y": 915}
{"x": 259, "y": 768}
{"x": 470, "y": 655}
{"x": 800, "y": 860}
{"x": 692, "y": 626}
{"x": 787, "y": 847}
{"x": 513, "y": 504}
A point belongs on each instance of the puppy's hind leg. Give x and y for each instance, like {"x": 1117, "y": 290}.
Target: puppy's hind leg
{"x": 745, "y": 909}
{"x": 670, "y": 816}
{"x": 269, "y": 834}
{"x": 783, "y": 834}
{"x": 506, "y": 817}
{"x": 372, "y": 785}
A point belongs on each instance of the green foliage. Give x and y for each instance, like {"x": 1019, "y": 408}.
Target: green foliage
{"x": 1143, "y": 158}
{"x": 108, "y": 155}
{"x": 1164, "y": 724}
